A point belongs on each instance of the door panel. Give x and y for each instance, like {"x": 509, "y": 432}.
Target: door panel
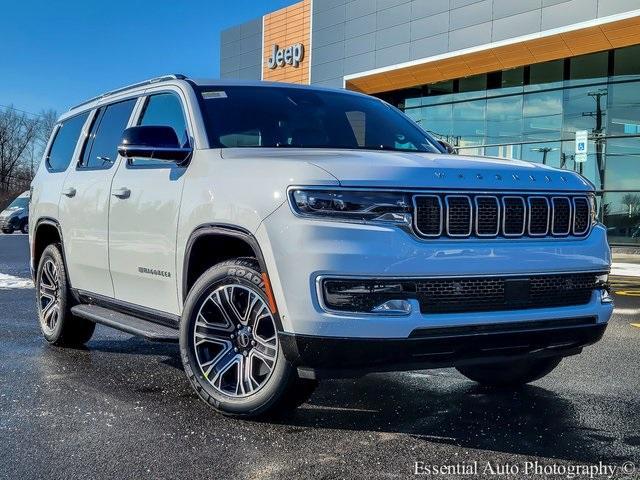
{"x": 143, "y": 225}
{"x": 84, "y": 203}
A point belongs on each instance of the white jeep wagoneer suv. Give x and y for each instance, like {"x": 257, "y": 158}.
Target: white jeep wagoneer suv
{"x": 283, "y": 234}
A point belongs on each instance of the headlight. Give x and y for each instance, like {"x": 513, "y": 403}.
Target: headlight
{"x": 353, "y": 205}
{"x": 594, "y": 209}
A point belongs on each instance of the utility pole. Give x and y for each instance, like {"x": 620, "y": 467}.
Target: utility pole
{"x": 598, "y": 131}
{"x": 545, "y": 151}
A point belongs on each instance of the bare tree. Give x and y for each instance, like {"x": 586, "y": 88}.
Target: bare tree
{"x": 632, "y": 202}
{"x": 23, "y": 138}
{"x": 18, "y": 131}
{"x": 48, "y": 120}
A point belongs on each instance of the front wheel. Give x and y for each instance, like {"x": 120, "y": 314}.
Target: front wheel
{"x": 8, "y": 231}
{"x": 25, "y": 228}
{"x": 510, "y": 374}
{"x": 230, "y": 348}
{"x": 54, "y": 301}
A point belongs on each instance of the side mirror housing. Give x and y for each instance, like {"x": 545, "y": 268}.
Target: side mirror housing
{"x": 153, "y": 142}
{"x": 447, "y": 146}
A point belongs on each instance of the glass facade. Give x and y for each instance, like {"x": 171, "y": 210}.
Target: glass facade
{"x": 532, "y": 113}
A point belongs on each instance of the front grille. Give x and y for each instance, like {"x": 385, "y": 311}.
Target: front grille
{"x": 508, "y": 215}
{"x": 462, "y": 294}
{"x": 504, "y": 293}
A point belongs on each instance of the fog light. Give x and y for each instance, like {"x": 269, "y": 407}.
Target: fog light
{"x": 367, "y": 296}
{"x": 605, "y": 296}
{"x": 393, "y": 307}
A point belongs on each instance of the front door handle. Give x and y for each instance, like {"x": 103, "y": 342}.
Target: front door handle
{"x": 122, "y": 192}
{"x": 69, "y": 192}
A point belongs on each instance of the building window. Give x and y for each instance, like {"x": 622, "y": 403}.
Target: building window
{"x": 532, "y": 113}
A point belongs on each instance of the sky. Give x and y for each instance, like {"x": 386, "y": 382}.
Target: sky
{"x": 56, "y": 53}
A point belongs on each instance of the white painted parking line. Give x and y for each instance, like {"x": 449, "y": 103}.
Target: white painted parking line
{"x": 627, "y": 311}
{"x": 9, "y": 281}
{"x": 625, "y": 269}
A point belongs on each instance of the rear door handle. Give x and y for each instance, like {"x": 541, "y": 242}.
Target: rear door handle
{"x": 122, "y": 192}
{"x": 69, "y": 192}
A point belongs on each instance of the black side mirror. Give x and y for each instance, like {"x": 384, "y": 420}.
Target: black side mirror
{"x": 447, "y": 146}
{"x": 153, "y": 141}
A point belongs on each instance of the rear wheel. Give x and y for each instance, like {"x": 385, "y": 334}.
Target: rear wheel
{"x": 230, "y": 348}
{"x": 8, "y": 231}
{"x": 510, "y": 374}
{"x": 25, "y": 227}
{"x": 54, "y": 302}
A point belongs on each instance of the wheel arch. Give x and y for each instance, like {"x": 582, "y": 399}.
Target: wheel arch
{"x": 46, "y": 232}
{"x": 242, "y": 243}
{"x": 231, "y": 242}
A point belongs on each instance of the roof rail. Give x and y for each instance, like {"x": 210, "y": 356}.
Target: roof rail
{"x": 172, "y": 76}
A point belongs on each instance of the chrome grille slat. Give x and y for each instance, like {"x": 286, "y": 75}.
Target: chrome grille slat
{"x": 561, "y": 216}
{"x": 459, "y": 217}
{"x": 428, "y": 215}
{"x": 485, "y": 215}
{"x": 581, "y": 215}
{"x": 513, "y": 207}
{"x": 539, "y": 212}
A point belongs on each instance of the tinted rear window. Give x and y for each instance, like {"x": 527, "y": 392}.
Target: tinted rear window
{"x": 65, "y": 142}
{"x": 244, "y": 116}
{"x": 101, "y": 150}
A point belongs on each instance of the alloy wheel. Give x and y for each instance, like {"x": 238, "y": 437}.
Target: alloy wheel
{"x": 49, "y": 289}
{"x": 235, "y": 340}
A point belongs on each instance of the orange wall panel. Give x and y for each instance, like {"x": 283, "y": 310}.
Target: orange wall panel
{"x": 286, "y": 27}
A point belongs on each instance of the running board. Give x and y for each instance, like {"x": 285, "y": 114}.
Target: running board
{"x": 126, "y": 323}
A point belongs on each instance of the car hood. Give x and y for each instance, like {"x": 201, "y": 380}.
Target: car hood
{"x": 370, "y": 168}
{"x": 9, "y": 212}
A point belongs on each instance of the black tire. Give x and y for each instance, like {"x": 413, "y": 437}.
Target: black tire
{"x": 7, "y": 231}
{"x": 25, "y": 227}
{"x": 281, "y": 391}
{"x": 510, "y": 374}
{"x": 66, "y": 330}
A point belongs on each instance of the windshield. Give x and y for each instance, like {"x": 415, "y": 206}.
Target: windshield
{"x": 246, "y": 116}
{"x": 20, "y": 202}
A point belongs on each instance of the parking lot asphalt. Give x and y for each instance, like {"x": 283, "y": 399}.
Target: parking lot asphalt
{"x": 122, "y": 408}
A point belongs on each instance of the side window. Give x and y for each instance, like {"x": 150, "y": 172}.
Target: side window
{"x": 101, "y": 148}
{"x": 163, "y": 109}
{"x": 65, "y": 142}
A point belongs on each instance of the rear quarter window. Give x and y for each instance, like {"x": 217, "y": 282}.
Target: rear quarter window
{"x": 64, "y": 143}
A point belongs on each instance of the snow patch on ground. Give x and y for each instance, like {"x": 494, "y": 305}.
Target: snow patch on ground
{"x": 625, "y": 269}
{"x": 9, "y": 281}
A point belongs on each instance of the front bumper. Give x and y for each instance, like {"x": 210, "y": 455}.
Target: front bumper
{"x": 330, "y": 357}
{"x": 299, "y": 251}
{"x": 9, "y": 223}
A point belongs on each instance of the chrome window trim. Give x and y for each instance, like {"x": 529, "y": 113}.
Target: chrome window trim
{"x": 573, "y": 223}
{"x": 415, "y": 216}
{"x": 553, "y": 216}
{"x": 498, "y": 216}
{"x": 459, "y": 235}
{"x": 546, "y": 232}
{"x": 504, "y": 216}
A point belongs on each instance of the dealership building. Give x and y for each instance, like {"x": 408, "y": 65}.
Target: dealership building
{"x": 548, "y": 81}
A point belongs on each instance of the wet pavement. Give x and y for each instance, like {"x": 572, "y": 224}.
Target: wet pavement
{"x": 122, "y": 408}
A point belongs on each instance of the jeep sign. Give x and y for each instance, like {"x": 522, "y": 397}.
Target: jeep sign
{"x": 292, "y": 55}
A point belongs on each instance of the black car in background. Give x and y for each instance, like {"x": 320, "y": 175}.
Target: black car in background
{"x": 16, "y": 215}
